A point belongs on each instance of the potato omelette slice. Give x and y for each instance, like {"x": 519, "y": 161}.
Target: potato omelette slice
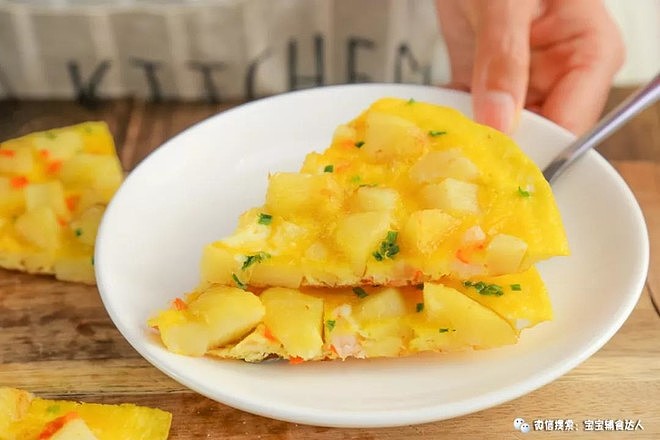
{"x": 408, "y": 192}
{"x": 26, "y": 417}
{"x": 54, "y": 187}
{"x": 362, "y": 322}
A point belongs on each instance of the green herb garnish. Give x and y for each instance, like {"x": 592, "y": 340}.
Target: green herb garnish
{"x": 388, "y": 247}
{"x": 516, "y": 287}
{"x": 360, "y": 292}
{"x": 443, "y": 330}
{"x": 419, "y": 307}
{"x": 240, "y": 284}
{"x": 52, "y": 409}
{"x": 92, "y": 260}
{"x": 265, "y": 219}
{"x": 329, "y": 169}
{"x": 359, "y": 144}
{"x": 256, "y": 258}
{"x": 78, "y": 232}
{"x": 50, "y": 135}
{"x": 419, "y": 286}
{"x": 330, "y": 324}
{"x": 523, "y": 193}
{"x": 411, "y": 101}
{"x": 435, "y": 133}
{"x": 485, "y": 289}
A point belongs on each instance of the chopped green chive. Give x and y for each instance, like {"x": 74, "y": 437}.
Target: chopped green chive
{"x": 360, "y": 292}
{"x": 256, "y": 258}
{"x": 328, "y": 169}
{"x": 516, "y": 287}
{"x": 240, "y": 284}
{"x": 443, "y": 330}
{"x": 411, "y": 101}
{"x": 419, "y": 286}
{"x": 78, "y": 232}
{"x": 485, "y": 289}
{"x": 53, "y": 409}
{"x": 359, "y": 144}
{"x": 50, "y": 135}
{"x": 388, "y": 247}
{"x": 523, "y": 193}
{"x": 435, "y": 133}
{"x": 369, "y": 185}
{"x": 92, "y": 260}
{"x": 330, "y": 324}
{"x": 265, "y": 219}
{"x": 419, "y": 307}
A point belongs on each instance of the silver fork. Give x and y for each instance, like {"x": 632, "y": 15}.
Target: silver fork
{"x": 630, "y": 107}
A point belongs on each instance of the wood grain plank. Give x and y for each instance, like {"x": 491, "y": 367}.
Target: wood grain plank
{"x": 639, "y": 139}
{"x": 151, "y": 124}
{"x": 643, "y": 177}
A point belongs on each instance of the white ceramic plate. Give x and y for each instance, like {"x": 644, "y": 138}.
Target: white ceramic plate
{"x": 191, "y": 190}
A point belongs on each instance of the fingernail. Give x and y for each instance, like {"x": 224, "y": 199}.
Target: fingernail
{"x": 496, "y": 109}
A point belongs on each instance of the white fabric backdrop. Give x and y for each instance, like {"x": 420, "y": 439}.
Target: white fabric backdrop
{"x": 238, "y": 49}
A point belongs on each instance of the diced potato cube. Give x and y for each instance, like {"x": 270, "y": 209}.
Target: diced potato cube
{"x": 453, "y": 196}
{"x": 86, "y": 225}
{"x": 296, "y": 320}
{"x": 218, "y": 264}
{"x": 389, "y": 137}
{"x": 16, "y": 160}
{"x": 62, "y": 146}
{"x": 311, "y": 194}
{"x": 228, "y": 313}
{"x": 344, "y": 133}
{"x": 276, "y": 273}
{"x": 504, "y": 254}
{"x": 99, "y": 172}
{"x": 48, "y": 195}
{"x": 368, "y": 198}
{"x": 385, "y": 337}
{"x": 426, "y": 229}
{"x": 40, "y": 228}
{"x": 473, "y": 323}
{"x": 180, "y": 333}
{"x": 437, "y": 165}
{"x": 358, "y": 236}
{"x": 387, "y": 303}
{"x": 67, "y": 427}
{"x": 12, "y": 200}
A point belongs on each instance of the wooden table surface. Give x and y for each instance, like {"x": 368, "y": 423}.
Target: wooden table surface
{"x": 57, "y": 340}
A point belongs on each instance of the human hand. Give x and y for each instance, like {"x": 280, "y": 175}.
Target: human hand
{"x": 554, "y": 57}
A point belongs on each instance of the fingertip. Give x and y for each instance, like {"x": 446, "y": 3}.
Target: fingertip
{"x": 496, "y": 109}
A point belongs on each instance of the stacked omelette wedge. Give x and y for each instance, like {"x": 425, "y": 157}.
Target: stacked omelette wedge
{"x": 416, "y": 230}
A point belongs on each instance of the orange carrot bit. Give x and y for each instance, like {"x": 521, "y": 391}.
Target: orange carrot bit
{"x": 56, "y": 424}
{"x": 295, "y": 360}
{"x": 333, "y": 349}
{"x": 44, "y": 153}
{"x": 62, "y": 221}
{"x": 269, "y": 335}
{"x": 7, "y": 153}
{"x": 72, "y": 202}
{"x": 54, "y": 166}
{"x": 179, "y": 304}
{"x": 18, "y": 182}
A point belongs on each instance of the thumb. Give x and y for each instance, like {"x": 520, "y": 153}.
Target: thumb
{"x": 501, "y": 65}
